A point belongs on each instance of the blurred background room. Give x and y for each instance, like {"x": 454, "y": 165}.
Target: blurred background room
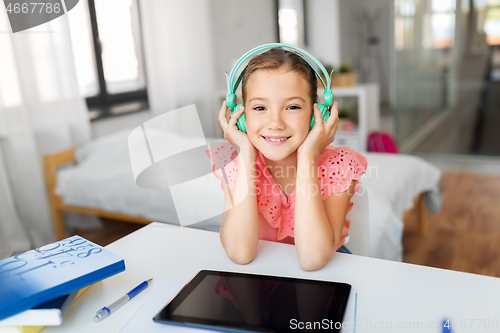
{"x": 425, "y": 72}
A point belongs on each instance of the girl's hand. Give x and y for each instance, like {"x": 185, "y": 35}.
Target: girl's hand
{"x": 231, "y": 131}
{"x": 321, "y": 135}
{"x": 345, "y": 231}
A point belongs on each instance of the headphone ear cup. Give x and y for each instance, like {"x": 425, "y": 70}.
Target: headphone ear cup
{"x": 241, "y": 123}
{"x": 324, "y": 114}
{"x": 328, "y": 97}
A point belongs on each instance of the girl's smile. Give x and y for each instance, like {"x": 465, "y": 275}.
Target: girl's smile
{"x": 278, "y": 112}
{"x": 276, "y": 140}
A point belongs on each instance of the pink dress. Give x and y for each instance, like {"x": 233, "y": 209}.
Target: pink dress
{"x": 337, "y": 168}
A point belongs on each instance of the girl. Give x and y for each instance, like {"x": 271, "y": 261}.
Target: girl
{"x": 283, "y": 175}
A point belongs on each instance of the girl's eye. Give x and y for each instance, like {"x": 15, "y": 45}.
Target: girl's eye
{"x": 294, "y": 107}
{"x": 259, "y": 108}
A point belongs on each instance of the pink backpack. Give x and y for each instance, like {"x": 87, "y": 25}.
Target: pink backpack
{"x": 380, "y": 142}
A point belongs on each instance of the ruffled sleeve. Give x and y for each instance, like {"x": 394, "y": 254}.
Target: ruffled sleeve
{"x": 337, "y": 168}
{"x": 224, "y": 162}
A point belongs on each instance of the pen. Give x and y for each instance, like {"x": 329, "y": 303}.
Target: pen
{"x": 107, "y": 310}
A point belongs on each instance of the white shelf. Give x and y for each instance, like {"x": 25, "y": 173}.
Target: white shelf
{"x": 368, "y": 114}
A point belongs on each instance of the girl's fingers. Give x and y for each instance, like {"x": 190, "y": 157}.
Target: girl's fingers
{"x": 235, "y": 116}
{"x": 336, "y": 125}
{"x": 334, "y": 116}
{"x": 318, "y": 120}
{"x": 222, "y": 116}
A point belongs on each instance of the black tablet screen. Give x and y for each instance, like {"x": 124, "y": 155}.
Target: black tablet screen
{"x": 248, "y": 302}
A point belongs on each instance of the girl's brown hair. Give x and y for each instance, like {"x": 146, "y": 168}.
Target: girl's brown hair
{"x": 276, "y": 58}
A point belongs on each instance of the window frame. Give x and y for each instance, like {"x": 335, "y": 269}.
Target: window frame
{"x": 101, "y": 105}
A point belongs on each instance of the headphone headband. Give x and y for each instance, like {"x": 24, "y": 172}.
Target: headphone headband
{"x": 231, "y": 98}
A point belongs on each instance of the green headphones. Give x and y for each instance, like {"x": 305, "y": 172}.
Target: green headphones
{"x": 231, "y": 86}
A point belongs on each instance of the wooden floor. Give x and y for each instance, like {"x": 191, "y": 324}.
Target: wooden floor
{"x": 464, "y": 236}
{"x": 112, "y": 231}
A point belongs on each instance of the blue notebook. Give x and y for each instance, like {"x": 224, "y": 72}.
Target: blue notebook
{"x": 35, "y": 277}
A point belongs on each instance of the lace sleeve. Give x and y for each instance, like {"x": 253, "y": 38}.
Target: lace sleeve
{"x": 338, "y": 168}
{"x": 224, "y": 161}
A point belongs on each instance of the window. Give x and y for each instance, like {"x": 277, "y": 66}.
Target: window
{"x": 488, "y": 14}
{"x": 107, "y": 48}
{"x": 405, "y": 12}
{"x": 436, "y": 19}
{"x": 291, "y": 22}
{"x": 442, "y": 23}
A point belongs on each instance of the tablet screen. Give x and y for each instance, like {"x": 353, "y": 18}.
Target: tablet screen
{"x": 249, "y": 302}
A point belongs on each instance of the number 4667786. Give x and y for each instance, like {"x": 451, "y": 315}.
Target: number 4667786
{"x": 477, "y": 323}
{"x": 34, "y": 7}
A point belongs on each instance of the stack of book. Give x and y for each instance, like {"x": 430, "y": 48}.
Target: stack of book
{"x": 37, "y": 287}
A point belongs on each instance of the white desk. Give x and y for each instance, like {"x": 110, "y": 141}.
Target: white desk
{"x": 388, "y": 291}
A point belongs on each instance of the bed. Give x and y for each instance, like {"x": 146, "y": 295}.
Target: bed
{"x": 97, "y": 179}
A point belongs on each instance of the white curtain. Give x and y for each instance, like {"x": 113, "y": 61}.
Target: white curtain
{"x": 41, "y": 112}
{"x": 178, "y": 47}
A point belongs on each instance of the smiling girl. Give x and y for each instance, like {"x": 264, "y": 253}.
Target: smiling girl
{"x": 284, "y": 174}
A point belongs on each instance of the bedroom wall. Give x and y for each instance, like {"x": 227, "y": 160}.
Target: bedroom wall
{"x": 351, "y": 40}
{"x": 322, "y": 24}
{"x": 238, "y": 26}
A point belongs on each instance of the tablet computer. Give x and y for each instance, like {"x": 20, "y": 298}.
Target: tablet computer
{"x": 226, "y": 301}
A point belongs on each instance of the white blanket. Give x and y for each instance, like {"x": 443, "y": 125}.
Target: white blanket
{"x": 103, "y": 179}
{"x": 393, "y": 181}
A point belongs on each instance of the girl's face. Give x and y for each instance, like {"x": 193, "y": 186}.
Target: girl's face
{"x": 278, "y": 106}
